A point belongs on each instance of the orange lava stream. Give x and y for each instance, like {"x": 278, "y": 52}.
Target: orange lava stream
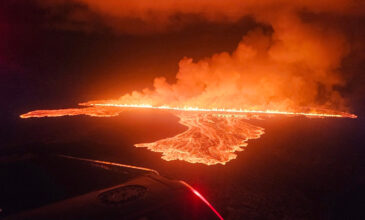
{"x": 229, "y": 111}
{"x": 209, "y": 139}
{"x": 90, "y": 111}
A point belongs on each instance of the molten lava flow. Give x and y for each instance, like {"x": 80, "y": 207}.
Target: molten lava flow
{"x": 212, "y": 137}
{"x": 90, "y": 111}
{"x": 333, "y": 114}
{"x": 111, "y": 109}
{"x": 209, "y": 139}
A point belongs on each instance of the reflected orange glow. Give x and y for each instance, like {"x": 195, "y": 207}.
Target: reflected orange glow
{"x": 109, "y": 163}
{"x": 203, "y": 199}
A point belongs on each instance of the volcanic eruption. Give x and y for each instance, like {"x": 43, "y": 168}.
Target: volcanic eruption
{"x": 288, "y": 65}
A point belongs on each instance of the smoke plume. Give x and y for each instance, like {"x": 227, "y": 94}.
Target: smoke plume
{"x": 293, "y": 65}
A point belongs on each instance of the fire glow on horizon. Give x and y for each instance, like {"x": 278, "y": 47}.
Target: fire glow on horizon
{"x": 222, "y": 110}
{"x": 333, "y": 114}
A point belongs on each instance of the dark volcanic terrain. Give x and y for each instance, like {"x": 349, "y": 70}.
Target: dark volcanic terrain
{"x": 300, "y": 168}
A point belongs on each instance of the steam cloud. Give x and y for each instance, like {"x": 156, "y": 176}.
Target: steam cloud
{"x": 294, "y": 65}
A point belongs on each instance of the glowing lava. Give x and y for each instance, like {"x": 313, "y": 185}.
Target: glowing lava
{"x": 209, "y": 139}
{"x": 111, "y": 109}
{"x": 231, "y": 111}
{"x": 213, "y": 136}
{"x": 90, "y": 111}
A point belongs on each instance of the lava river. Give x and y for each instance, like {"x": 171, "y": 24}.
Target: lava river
{"x": 210, "y": 138}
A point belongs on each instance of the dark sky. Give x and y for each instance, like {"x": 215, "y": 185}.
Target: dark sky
{"x": 46, "y": 67}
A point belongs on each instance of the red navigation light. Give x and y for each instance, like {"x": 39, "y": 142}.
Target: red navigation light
{"x": 203, "y": 199}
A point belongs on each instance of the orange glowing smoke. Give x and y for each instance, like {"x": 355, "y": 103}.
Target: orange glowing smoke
{"x": 290, "y": 60}
{"x": 268, "y": 71}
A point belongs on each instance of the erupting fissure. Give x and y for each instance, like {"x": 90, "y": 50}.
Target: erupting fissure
{"x": 111, "y": 109}
{"x": 222, "y": 110}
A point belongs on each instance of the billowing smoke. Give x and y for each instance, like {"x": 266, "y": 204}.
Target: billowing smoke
{"x": 294, "y": 65}
{"x": 171, "y": 14}
{"x": 291, "y": 67}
